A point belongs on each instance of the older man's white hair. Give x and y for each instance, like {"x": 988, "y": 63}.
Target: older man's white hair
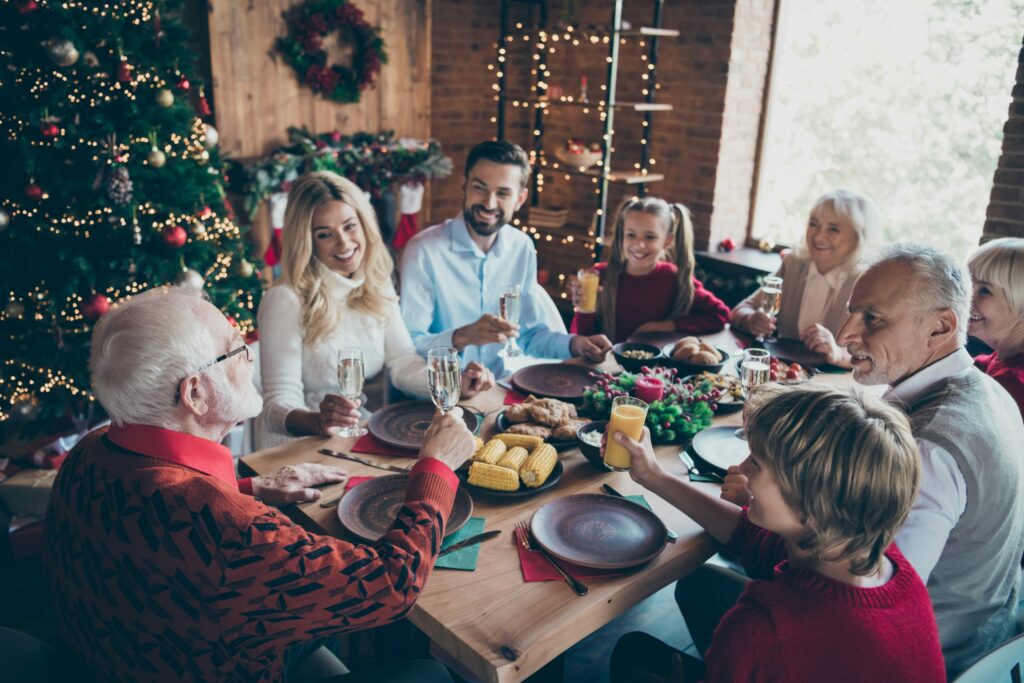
{"x": 142, "y": 349}
{"x": 940, "y": 282}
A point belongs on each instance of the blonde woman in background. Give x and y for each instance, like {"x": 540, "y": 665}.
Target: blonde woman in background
{"x": 997, "y": 312}
{"x": 818, "y": 276}
{"x": 335, "y": 291}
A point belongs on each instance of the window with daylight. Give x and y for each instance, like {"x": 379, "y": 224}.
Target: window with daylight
{"x": 902, "y": 101}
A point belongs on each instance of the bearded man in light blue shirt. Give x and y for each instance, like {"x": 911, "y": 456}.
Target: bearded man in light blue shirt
{"x": 452, "y": 274}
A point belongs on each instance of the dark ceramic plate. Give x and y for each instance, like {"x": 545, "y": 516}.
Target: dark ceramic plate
{"x": 492, "y": 496}
{"x": 563, "y": 381}
{"x": 687, "y": 367}
{"x": 720, "y": 447}
{"x": 794, "y": 351}
{"x": 501, "y": 423}
{"x": 403, "y": 425}
{"x": 370, "y": 508}
{"x": 590, "y": 452}
{"x": 634, "y": 364}
{"x": 598, "y": 531}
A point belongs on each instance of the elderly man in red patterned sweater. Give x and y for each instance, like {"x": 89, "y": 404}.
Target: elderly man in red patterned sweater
{"x": 162, "y": 569}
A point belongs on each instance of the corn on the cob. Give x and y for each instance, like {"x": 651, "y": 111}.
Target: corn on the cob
{"x": 493, "y": 477}
{"x": 479, "y": 443}
{"x": 537, "y": 468}
{"x": 513, "y": 458}
{"x": 491, "y": 452}
{"x": 522, "y": 440}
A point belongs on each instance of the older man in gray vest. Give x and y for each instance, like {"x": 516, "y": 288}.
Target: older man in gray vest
{"x": 965, "y": 534}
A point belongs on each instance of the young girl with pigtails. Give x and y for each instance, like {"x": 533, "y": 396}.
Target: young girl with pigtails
{"x": 647, "y": 285}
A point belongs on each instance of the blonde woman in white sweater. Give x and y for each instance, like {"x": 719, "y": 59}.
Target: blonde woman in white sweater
{"x": 335, "y": 291}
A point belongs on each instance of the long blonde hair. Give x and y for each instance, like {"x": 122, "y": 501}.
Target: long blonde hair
{"x": 320, "y": 313}
{"x": 678, "y": 225}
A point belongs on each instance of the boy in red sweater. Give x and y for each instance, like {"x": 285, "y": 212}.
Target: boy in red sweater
{"x": 640, "y": 292}
{"x": 161, "y": 569}
{"x": 832, "y": 476}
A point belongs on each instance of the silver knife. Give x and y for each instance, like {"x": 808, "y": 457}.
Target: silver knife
{"x": 472, "y": 540}
{"x": 672, "y": 537}
{"x": 363, "y": 461}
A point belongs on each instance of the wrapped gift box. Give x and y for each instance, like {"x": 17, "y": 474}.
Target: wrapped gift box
{"x": 28, "y": 491}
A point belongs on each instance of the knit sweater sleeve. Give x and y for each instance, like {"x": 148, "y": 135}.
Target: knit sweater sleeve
{"x": 745, "y": 646}
{"x": 406, "y": 367}
{"x": 280, "y": 325}
{"x": 707, "y": 313}
{"x": 758, "y": 549}
{"x": 280, "y": 584}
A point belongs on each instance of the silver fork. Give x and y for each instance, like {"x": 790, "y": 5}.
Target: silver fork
{"x": 526, "y": 540}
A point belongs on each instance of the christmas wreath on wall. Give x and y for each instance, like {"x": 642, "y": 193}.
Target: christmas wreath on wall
{"x": 309, "y": 24}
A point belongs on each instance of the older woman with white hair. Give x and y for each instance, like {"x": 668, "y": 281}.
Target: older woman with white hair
{"x": 335, "y": 292}
{"x": 997, "y": 312}
{"x": 818, "y": 276}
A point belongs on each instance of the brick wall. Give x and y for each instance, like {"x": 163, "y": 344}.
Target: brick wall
{"x": 713, "y": 75}
{"x": 1005, "y": 216}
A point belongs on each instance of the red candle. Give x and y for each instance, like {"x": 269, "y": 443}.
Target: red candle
{"x": 649, "y": 389}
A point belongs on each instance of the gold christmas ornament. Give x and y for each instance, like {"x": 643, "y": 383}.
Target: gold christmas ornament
{"x": 165, "y": 98}
{"x": 212, "y": 137}
{"x": 244, "y": 268}
{"x": 199, "y": 230}
{"x": 156, "y": 158}
{"x": 61, "y": 51}
{"x": 767, "y": 246}
{"x": 191, "y": 279}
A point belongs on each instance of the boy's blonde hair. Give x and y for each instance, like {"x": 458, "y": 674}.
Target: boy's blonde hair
{"x": 321, "y": 315}
{"x": 846, "y": 463}
{"x": 678, "y": 226}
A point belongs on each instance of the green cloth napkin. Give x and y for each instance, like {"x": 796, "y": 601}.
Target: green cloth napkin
{"x": 638, "y": 499}
{"x": 464, "y": 559}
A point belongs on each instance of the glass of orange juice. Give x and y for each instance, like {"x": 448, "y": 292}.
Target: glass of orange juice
{"x": 628, "y": 417}
{"x": 590, "y": 280}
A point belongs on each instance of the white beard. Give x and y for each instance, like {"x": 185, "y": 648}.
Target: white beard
{"x": 232, "y": 404}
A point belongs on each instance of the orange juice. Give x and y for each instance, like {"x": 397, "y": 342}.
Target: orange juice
{"x": 628, "y": 417}
{"x": 589, "y": 282}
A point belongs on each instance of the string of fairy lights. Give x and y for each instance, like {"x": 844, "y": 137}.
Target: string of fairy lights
{"x": 86, "y": 87}
{"x": 544, "y": 45}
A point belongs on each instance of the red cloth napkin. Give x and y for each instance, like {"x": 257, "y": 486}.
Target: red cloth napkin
{"x": 368, "y": 443}
{"x": 513, "y": 398}
{"x": 536, "y": 568}
{"x": 355, "y": 481}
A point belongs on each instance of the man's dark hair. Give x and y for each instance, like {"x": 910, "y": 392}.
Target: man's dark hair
{"x": 500, "y": 152}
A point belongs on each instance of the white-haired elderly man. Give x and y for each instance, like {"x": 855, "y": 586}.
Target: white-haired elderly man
{"x": 162, "y": 569}
{"x": 965, "y": 534}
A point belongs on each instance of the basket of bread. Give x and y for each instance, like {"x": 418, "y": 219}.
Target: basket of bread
{"x": 690, "y": 354}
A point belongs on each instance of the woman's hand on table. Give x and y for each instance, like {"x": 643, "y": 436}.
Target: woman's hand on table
{"x": 335, "y": 412}
{"x": 734, "y": 488}
{"x": 448, "y": 439}
{"x": 291, "y": 483}
{"x": 820, "y": 340}
{"x": 476, "y": 379}
{"x": 759, "y": 323}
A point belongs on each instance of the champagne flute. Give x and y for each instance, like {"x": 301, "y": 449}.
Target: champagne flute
{"x": 350, "y": 378}
{"x": 755, "y": 369}
{"x": 444, "y": 377}
{"x": 771, "y": 298}
{"x": 510, "y": 305}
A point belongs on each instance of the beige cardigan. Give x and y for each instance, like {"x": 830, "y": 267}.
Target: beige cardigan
{"x": 793, "y": 272}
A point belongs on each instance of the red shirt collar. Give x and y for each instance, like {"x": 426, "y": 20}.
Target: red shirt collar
{"x": 194, "y": 452}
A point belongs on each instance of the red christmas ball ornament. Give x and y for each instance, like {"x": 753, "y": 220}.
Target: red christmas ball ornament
{"x": 727, "y": 244}
{"x": 49, "y": 129}
{"x": 124, "y": 71}
{"x": 33, "y": 192}
{"x": 175, "y": 236}
{"x": 95, "y": 307}
{"x": 204, "y": 213}
{"x": 28, "y": 6}
{"x": 184, "y": 84}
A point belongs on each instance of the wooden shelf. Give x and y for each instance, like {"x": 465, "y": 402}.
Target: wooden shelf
{"x": 621, "y": 176}
{"x": 635, "y": 106}
{"x": 651, "y": 31}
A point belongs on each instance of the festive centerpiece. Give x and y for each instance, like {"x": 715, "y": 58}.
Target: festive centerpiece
{"x": 580, "y": 154}
{"x": 676, "y": 410}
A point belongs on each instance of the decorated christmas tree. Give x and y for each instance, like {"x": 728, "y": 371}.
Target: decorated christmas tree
{"x": 111, "y": 185}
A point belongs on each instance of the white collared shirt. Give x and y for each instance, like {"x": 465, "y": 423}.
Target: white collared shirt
{"x": 819, "y": 291}
{"x": 942, "y": 496}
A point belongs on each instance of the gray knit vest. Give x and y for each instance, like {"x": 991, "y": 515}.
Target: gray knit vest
{"x": 975, "y": 584}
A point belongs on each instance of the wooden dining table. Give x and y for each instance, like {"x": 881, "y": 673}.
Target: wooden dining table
{"x": 495, "y": 625}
